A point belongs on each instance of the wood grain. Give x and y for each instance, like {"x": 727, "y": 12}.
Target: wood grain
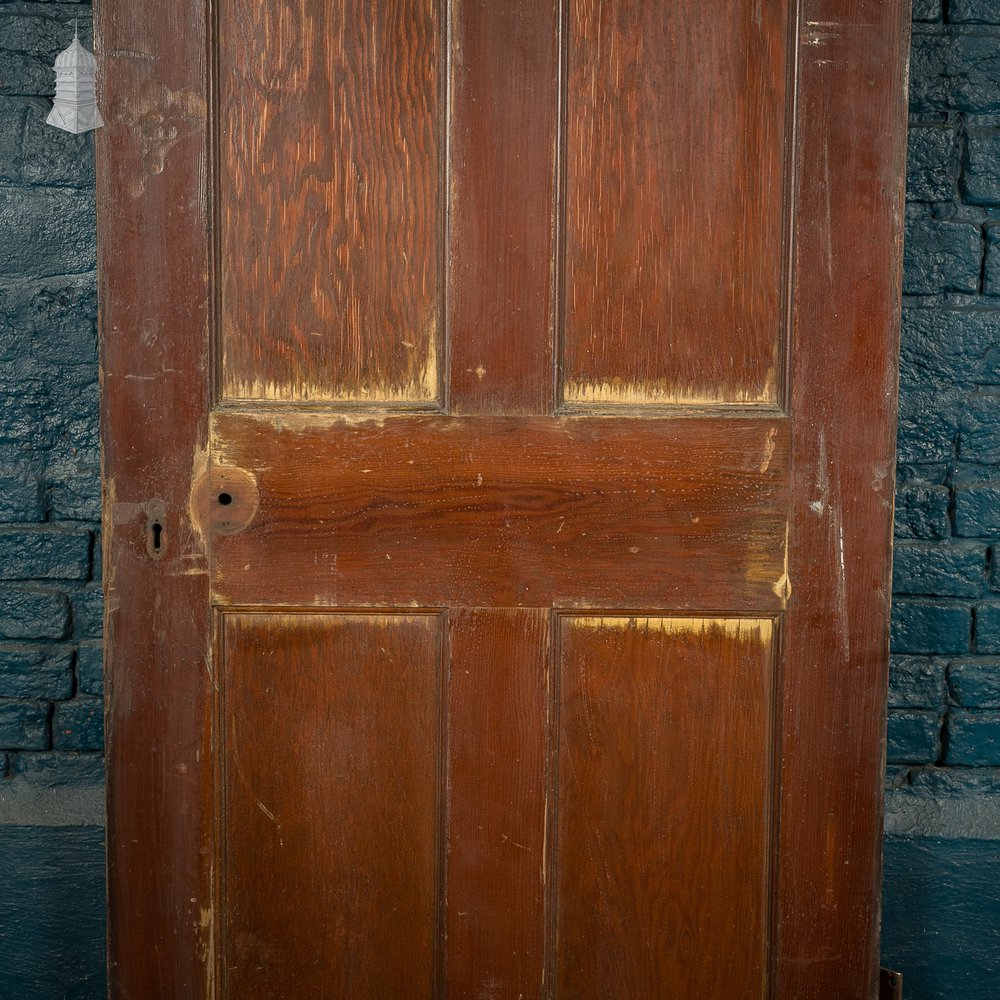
{"x": 502, "y": 170}
{"x": 330, "y": 121}
{"x": 499, "y": 661}
{"x": 507, "y": 512}
{"x": 852, "y": 82}
{"x": 662, "y": 809}
{"x": 330, "y": 200}
{"x": 153, "y": 263}
{"x": 673, "y": 208}
{"x": 332, "y": 730}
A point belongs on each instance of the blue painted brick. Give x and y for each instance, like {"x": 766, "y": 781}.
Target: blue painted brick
{"x": 956, "y": 569}
{"x": 52, "y": 910}
{"x": 977, "y": 510}
{"x": 913, "y": 737}
{"x": 97, "y": 559}
{"x": 50, "y": 155}
{"x": 995, "y": 568}
{"x": 991, "y": 269}
{"x": 972, "y": 67}
{"x": 48, "y": 553}
{"x": 973, "y": 738}
{"x": 35, "y": 672}
{"x": 35, "y": 613}
{"x": 916, "y": 682}
{"x": 931, "y": 164}
{"x": 13, "y": 112}
{"x": 922, "y": 511}
{"x": 31, "y": 35}
{"x": 929, "y": 87}
{"x": 926, "y": 10}
{"x": 945, "y": 782}
{"x": 960, "y": 346}
{"x": 90, "y": 668}
{"x": 975, "y": 682}
{"x": 930, "y": 627}
{"x": 941, "y": 257}
{"x": 928, "y": 424}
{"x": 20, "y": 492}
{"x": 979, "y": 430}
{"x": 981, "y": 172}
{"x": 24, "y": 725}
{"x": 88, "y": 613}
{"x": 33, "y": 153}
{"x": 57, "y": 317}
{"x": 58, "y": 769}
{"x": 974, "y": 12}
{"x": 48, "y": 231}
{"x": 988, "y": 628}
{"x": 954, "y": 71}
{"x": 78, "y": 724}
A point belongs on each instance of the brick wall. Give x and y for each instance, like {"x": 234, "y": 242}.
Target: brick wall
{"x": 945, "y": 671}
{"x": 51, "y": 729}
{"x": 941, "y": 921}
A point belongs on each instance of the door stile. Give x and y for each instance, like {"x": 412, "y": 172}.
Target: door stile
{"x": 849, "y": 156}
{"x": 153, "y": 204}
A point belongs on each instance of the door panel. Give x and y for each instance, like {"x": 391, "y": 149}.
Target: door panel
{"x": 331, "y": 763}
{"x": 512, "y": 387}
{"x": 490, "y": 511}
{"x": 330, "y": 120}
{"x": 502, "y": 203}
{"x": 661, "y": 827}
{"x": 674, "y": 233}
{"x": 498, "y": 699}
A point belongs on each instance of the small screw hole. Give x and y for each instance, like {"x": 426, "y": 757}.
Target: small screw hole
{"x": 225, "y": 499}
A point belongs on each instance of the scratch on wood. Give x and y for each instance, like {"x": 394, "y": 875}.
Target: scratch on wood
{"x": 206, "y": 931}
{"x": 842, "y": 619}
{"x": 768, "y": 448}
{"x": 199, "y": 474}
{"x": 783, "y": 585}
{"x": 822, "y": 479}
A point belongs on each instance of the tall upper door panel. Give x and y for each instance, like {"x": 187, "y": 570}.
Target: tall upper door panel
{"x": 332, "y": 123}
{"x": 674, "y": 174}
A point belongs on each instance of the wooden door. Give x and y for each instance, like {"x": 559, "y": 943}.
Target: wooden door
{"x": 498, "y": 407}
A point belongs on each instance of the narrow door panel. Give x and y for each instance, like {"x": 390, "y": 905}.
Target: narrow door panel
{"x": 500, "y": 674}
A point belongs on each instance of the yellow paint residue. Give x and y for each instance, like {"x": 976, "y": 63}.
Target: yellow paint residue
{"x": 329, "y": 618}
{"x": 783, "y": 585}
{"x": 741, "y": 629}
{"x": 421, "y": 388}
{"x": 618, "y": 392}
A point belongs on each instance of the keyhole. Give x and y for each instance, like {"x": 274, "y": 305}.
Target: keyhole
{"x": 225, "y": 499}
{"x": 154, "y": 539}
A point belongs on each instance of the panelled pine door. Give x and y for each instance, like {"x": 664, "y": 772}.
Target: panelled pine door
{"x": 498, "y": 407}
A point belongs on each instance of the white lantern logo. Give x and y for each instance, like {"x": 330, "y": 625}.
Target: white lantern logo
{"x": 75, "y": 106}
